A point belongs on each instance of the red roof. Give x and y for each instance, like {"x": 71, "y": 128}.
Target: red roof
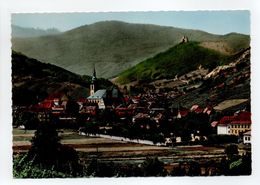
{"x": 207, "y": 110}
{"x": 242, "y": 118}
{"x": 183, "y": 113}
{"x": 126, "y": 99}
{"x": 226, "y": 119}
{"x": 196, "y": 108}
{"x": 121, "y": 108}
{"x": 214, "y": 123}
{"x": 83, "y": 100}
{"x": 241, "y": 122}
{"x": 47, "y": 104}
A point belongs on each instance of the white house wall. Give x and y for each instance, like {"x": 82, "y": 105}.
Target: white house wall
{"x": 222, "y": 129}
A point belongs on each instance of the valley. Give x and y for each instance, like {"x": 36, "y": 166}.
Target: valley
{"x": 115, "y": 99}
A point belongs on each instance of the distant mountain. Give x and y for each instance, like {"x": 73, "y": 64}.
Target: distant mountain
{"x": 33, "y": 81}
{"x": 23, "y": 32}
{"x": 115, "y": 46}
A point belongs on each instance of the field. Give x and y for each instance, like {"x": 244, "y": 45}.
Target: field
{"x": 106, "y": 149}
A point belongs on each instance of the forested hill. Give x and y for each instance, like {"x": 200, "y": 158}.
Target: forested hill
{"x": 117, "y": 46}
{"x": 33, "y": 81}
{"x": 192, "y": 75}
{"x": 178, "y": 60}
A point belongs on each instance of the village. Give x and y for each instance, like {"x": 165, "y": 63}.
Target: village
{"x": 118, "y": 127}
{"x": 116, "y": 98}
{"x": 190, "y": 124}
{"x": 148, "y": 115}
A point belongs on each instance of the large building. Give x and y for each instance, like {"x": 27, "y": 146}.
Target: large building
{"x": 235, "y": 125}
{"x": 99, "y": 98}
{"x": 103, "y": 97}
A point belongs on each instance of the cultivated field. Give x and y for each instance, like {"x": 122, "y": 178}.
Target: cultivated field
{"x": 106, "y": 149}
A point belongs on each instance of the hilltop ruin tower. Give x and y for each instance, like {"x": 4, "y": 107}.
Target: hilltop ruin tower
{"x": 184, "y": 39}
{"x": 93, "y": 82}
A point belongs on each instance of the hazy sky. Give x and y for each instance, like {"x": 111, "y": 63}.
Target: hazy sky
{"x": 218, "y": 22}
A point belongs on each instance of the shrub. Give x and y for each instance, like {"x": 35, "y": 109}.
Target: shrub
{"x": 153, "y": 167}
{"x": 221, "y": 139}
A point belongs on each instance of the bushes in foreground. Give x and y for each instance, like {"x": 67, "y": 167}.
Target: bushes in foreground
{"x": 221, "y": 139}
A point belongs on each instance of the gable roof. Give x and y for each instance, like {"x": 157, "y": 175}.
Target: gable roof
{"x": 242, "y": 117}
{"x": 248, "y": 133}
{"x": 98, "y": 94}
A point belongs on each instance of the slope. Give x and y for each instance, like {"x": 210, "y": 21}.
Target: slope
{"x": 22, "y": 32}
{"x": 32, "y": 81}
{"x": 178, "y": 60}
{"x": 228, "y": 82}
{"x": 113, "y": 45}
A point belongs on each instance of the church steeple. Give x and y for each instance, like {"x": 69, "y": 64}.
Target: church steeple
{"x": 93, "y": 82}
{"x": 94, "y": 77}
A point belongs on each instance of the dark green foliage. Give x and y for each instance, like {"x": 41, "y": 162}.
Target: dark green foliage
{"x": 231, "y": 150}
{"x": 47, "y": 152}
{"x": 235, "y": 164}
{"x": 100, "y": 169}
{"x": 178, "y": 60}
{"x": 92, "y": 168}
{"x": 129, "y": 170}
{"x": 153, "y": 167}
{"x": 22, "y": 168}
{"x": 72, "y": 108}
{"x": 47, "y": 158}
{"x": 157, "y": 138}
{"x": 193, "y": 123}
{"x": 242, "y": 166}
{"x": 45, "y": 144}
{"x": 150, "y": 167}
{"x": 28, "y": 119}
{"x": 194, "y": 169}
{"x": 221, "y": 139}
{"x": 26, "y": 96}
{"x": 179, "y": 170}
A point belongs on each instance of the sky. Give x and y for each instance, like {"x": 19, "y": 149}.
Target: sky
{"x": 217, "y": 22}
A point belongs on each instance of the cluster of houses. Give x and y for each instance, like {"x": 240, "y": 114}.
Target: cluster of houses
{"x": 57, "y": 104}
{"x": 146, "y": 106}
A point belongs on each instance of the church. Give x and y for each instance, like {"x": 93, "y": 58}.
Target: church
{"x": 104, "y": 98}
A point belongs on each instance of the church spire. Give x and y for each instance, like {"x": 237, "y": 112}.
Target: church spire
{"x": 94, "y": 77}
{"x": 93, "y": 82}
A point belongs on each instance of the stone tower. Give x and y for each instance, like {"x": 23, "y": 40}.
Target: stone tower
{"x": 184, "y": 39}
